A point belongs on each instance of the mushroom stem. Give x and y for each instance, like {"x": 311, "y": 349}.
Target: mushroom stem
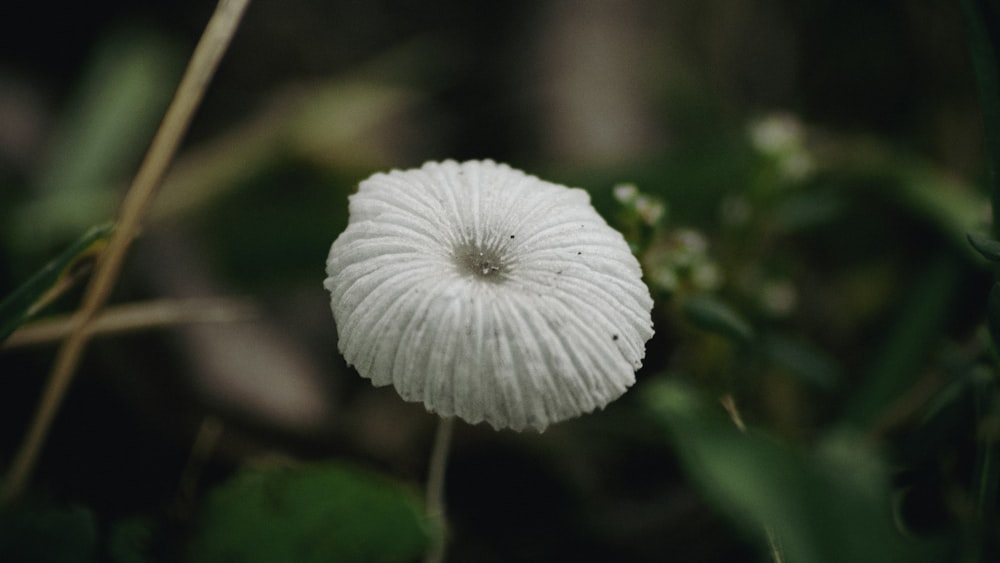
{"x": 435, "y": 488}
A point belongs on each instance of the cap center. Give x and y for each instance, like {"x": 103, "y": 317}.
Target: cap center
{"x": 480, "y": 262}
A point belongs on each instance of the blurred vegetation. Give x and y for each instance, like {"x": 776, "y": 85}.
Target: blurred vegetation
{"x": 800, "y": 181}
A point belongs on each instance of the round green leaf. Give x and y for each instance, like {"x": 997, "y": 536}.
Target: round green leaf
{"x": 317, "y": 513}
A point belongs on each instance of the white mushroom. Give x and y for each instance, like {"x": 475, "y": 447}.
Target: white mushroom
{"x": 487, "y": 294}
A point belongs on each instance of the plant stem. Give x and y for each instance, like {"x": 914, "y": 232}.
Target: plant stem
{"x": 205, "y": 441}
{"x": 214, "y": 42}
{"x": 133, "y": 317}
{"x": 435, "y": 488}
{"x": 773, "y": 542}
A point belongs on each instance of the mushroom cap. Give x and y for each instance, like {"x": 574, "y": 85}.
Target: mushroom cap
{"x": 487, "y": 294}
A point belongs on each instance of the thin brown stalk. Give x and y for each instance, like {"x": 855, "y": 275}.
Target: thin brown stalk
{"x": 213, "y": 44}
{"x": 729, "y": 403}
{"x": 132, "y": 317}
{"x": 773, "y": 541}
{"x": 205, "y": 441}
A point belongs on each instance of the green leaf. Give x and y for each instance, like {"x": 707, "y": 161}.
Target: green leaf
{"x": 987, "y": 464}
{"x": 100, "y": 137}
{"x": 983, "y": 49}
{"x": 129, "y": 540}
{"x": 33, "y": 531}
{"x": 897, "y": 364}
{"x": 319, "y": 513}
{"x": 801, "y": 359}
{"x": 20, "y": 306}
{"x": 801, "y": 210}
{"x": 993, "y": 314}
{"x": 989, "y": 248}
{"x": 829, "y": 506}
{"x": 711, "y": 314}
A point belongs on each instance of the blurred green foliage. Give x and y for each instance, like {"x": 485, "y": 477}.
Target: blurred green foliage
{"x": 100, "y": 139}
{"x": 824, "y": 506}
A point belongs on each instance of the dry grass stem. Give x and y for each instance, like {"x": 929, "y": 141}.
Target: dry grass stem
{"x": 209, "y": 433}
{"x": 773, "y": 541}
{"x": 213, "y": 44}
{"x": 136, "y": 316}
